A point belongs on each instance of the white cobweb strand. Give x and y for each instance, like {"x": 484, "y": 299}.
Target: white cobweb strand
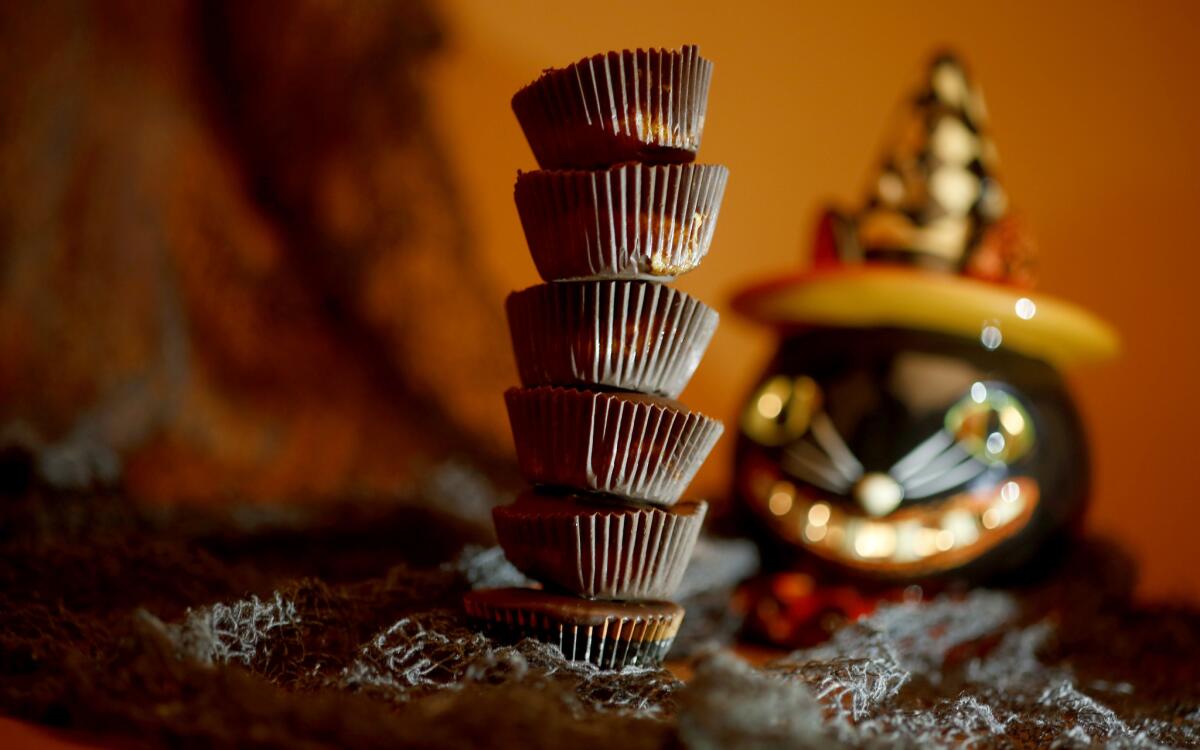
{"x": 434, "y": 651}
{"x": 223, "y": 633}
{"x": 730, "y": 705}
{"x": 426, "y": 652}
{"x": 848, "y": 692}
{"x": 487, "y": 568}
{"x": 867, "y": 663}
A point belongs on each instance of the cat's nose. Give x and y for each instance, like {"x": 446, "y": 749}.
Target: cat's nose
{"x": 878, "y": 493}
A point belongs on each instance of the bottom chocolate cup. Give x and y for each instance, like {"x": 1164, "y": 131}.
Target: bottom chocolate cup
{"x": 611, "y": 635}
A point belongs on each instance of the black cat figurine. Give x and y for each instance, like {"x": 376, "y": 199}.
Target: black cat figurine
{"x": 913, "y": 425}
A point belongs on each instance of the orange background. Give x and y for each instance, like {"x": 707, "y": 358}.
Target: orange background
{"x": 1095, "y": 114}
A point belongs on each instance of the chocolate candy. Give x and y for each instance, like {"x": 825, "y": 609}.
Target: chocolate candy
{"x": 627, "y": 444}
{"x": 603, "y": 350}
{"x": 611, "y": 635}
{"x": 630, "y": 221}
{"x": 598, "y": 547}
{"x": 644, "y": 105}
{"x": 622, "y": 335}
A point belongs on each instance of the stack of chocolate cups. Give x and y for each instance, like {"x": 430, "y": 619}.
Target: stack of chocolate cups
{"x": 604, "y": 348}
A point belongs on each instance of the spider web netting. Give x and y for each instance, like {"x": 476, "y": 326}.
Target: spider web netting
{"x": 287, "y": 638}
{"x": 309, "y": 629}
{"x": 962, "y": 671}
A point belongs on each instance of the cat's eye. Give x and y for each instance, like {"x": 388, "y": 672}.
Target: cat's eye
{"x": 991, "y": 424}
{"x": 781, "y": 409}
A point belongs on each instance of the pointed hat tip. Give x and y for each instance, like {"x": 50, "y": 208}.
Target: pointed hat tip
{"x": 936, "y": 195}
{"x": 948, "y": 81}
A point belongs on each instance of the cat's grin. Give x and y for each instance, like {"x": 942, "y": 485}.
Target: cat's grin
{"x": 911, "y": 540}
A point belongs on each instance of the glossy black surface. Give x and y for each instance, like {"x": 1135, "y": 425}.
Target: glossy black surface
{"x": 887, "y": 390}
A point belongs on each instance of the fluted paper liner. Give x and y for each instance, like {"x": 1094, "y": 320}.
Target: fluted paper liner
{"x": 624, "y": 444}
{"x": 630, "y": 221}
{"x": 644, "y": 105}
{"x": 597, "y": 551}
{"x": 611, "y": 635}
{"x": 625, "y": 335}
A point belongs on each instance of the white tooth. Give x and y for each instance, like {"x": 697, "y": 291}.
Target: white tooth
{"x": 925, "y": 542}
{"x": 875, "y": 540}
{"x": 1005, "y": 511}
{"x": 782, "y": 496}
{"x": 815, "y": 533}
{"x": 989, "y": 519}
{"x": 1010, "y": 491}
{"x": 962, "y": 525}
{"x": 908, "y": 535}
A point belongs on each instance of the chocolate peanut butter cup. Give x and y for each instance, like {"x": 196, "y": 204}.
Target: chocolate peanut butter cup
{"x": 596, "y": 550}
{"x": 603, "y": 349}
{"x": 638, "y": 447}
{"x": 625, "y": 335}
{"x": 643, "y": 105}
{"x": 610, "y": 635}
{"x": 630, "y": 221}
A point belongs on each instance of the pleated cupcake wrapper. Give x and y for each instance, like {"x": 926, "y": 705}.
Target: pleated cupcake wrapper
{"x": 626, "y": 335}
{"x": 644, "y": 105}
{"x": 630, "y": 221}
{"x": 606, "y": 553}
{"x": 615, "y": 643}
{"x": 608, "y": 442}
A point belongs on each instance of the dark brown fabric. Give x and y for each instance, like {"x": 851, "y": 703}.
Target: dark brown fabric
{"x": 282, "y": 628}
{"x": 228, "y": 242}
{"x": 341, "y": 626}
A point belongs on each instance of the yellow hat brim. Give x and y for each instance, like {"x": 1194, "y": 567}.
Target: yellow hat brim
{"x": 1037, "y": 325}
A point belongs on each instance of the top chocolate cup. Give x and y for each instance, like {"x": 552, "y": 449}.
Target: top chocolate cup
{"x": 643, "y": 105}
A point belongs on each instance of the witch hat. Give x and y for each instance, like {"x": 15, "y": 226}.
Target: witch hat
{"x": 935, "y": 246}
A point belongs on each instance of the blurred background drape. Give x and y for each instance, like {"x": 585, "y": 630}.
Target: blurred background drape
{"x": 259, "y": 250}
{"x": 233, "y": 252}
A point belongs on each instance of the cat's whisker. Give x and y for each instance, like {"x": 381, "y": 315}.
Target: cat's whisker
{"x": 916, "y": 459}
{"x": 818, "y": 458}
{"x": 816, "y": 473}
{"x": 813, "y": 452}
{"x": 943, "y": 462}
{"x": 830, "y": 440}
{"x": 963, "y": 472}
{"x": 812, "y": 476}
